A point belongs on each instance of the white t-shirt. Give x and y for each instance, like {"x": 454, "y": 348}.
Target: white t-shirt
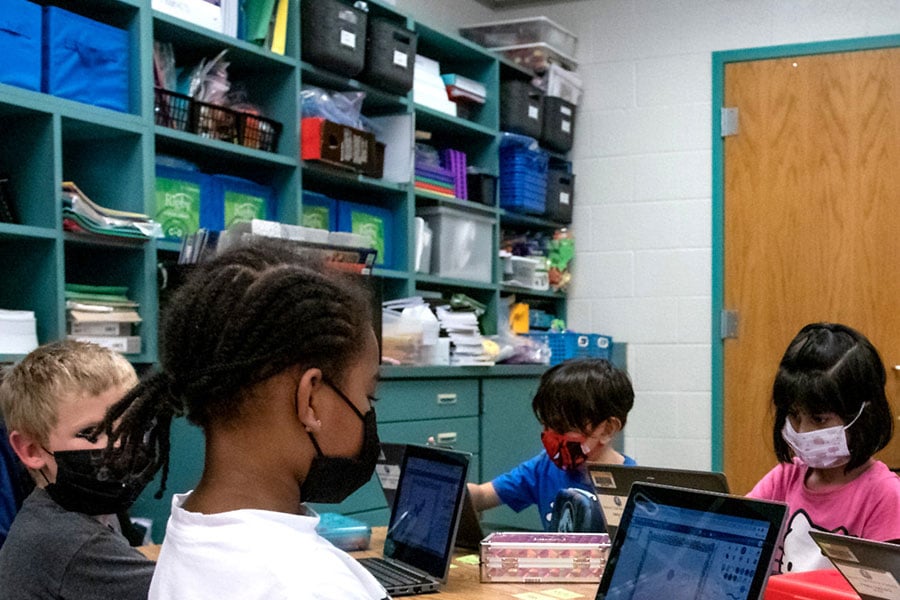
{"x": 250, "y": 554}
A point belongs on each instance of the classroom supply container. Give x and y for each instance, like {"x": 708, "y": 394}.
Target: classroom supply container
{"x": 514, "y": 32}
{"x": 390, "y": 56}
{"x": 560, "y": 195}
{"x": 821, "y": 584}
{"x": 372, "y": 223}
{"x": 520, "y": 108}
{"x": 85, "y": 60}
{"x": 344, "y": 532}
{"x": 482, "y": 187}
{"x": 20, "y": 44}
{"x": 557, "y": 124}
{"x": 229, "y": 200}
{"x": 523, "y": 175}
{"x": 537, "y": 57}
{"x": 171, "y": 109}
{"x": 179, "y": 196}
{"x": 569, "y": 344}
{"x": 462, "y": 243}
{"x": 524, "y": 557}
{"x": 333, "y": 36}
{"x": 319, "y": 211}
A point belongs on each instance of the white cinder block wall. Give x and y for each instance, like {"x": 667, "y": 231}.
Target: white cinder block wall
{"x": 643, "y": 162}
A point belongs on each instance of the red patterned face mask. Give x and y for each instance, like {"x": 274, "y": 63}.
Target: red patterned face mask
{"x": 566, "y": 450}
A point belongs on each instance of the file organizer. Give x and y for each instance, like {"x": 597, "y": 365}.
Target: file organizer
{"x": 319, "y": 211}
{"x": 523, "y": 175}
{"x": 85, "y": 60}
{"x": 229, "y": 200}
{"x": 20, "y": 44}
{"x": 179, "y": 196}
{"x": 333, "y": 36}
{"x": 390, "y": 56}
{"x": 372, "y": 222}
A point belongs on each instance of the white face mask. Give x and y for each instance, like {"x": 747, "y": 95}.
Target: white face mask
{"x": 821, "y": 448}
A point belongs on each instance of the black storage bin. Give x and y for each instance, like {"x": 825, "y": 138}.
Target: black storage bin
{"x": 558, "y": 129}
{"x": 390, "y": 56}
{"x": 520, "y": 108}
{"x": 482, "y": 188}
{"x": 333, "y": 36}
{"x": 560, "y": 195}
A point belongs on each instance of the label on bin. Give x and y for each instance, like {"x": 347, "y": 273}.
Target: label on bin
{"x": 566, "y": 126}
{"x": 348, "y": 38}
{"x": 565, "y": 110}
{"x": 533, "y": 112}
{"x": 401, "y": 59}
{"x": 563, "y": 198}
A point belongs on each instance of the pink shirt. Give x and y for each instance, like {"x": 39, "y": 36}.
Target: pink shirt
{"x": 867, "y": 507}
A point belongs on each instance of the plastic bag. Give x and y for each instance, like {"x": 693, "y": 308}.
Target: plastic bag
{"x": 344, "y": 108}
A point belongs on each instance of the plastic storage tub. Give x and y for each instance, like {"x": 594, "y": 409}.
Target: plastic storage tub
{"x": 20, "y": 44}
{"x": 333, "y": 36}
{"x": 85, "y": 60}
{"x": 344, "y": 532}
{"x": 520, "y": 108}
{"x": 821, "y": 584}
{"x": 228, "y": 200}
{"x": 560, "y": 195}
{"x": 543, "y": 557}
{"x": 374, "y": 224}
{"x": 569, "y": 344}
{"x": 515, "y": 32}
{"x": 462, "y": 243}
{"x": 537, "y": 57}
{"x": 390, "y": 56}
{"x": 558, "y": 124}
{"x": 319, "y": 211}
{"x": 523, "y": 175}
{"x": 179, "y": 195}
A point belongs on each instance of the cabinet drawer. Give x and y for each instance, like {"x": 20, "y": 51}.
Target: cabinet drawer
{"x": 427, "y": 399}
{"x": 460, "y": 434}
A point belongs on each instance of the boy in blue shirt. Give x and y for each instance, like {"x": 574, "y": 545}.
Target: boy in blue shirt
{"x": 582, "y": 404}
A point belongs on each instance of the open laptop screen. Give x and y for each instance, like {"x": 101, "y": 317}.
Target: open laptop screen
{"x": 426, "y": 509}
{"x": 685, "y": 544}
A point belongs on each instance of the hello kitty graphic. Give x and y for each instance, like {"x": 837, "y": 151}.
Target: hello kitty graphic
{"x": 798, "y": 551}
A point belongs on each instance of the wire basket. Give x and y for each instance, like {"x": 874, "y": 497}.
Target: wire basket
{"x": 255, "y": 131}
{"x": 214, "y": 121}
{"x": 172, "y": 109}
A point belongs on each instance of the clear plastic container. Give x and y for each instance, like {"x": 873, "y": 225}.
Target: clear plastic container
{"x": 536, "y": 30}
{"x": 543, "y": 557}
{"x": 537, "y": 57}
{"x": 463, "y": 243}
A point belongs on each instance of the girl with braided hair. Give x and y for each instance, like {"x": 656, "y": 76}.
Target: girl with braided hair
{"x": 274, "y": 356}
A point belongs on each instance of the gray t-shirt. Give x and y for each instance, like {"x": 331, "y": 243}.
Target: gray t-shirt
{"x": 55, "y": 553}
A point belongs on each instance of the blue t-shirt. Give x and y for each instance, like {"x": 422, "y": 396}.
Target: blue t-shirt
{"x": 537, "y": 481}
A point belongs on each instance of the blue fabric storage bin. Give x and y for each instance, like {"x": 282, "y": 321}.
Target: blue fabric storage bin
{"x": 371, "y": 221}
{"x": 20, "y": 44}
{"x": 228, "y": 200}
{"x": 85, "y": 60}
{"x": 319, "y": 211}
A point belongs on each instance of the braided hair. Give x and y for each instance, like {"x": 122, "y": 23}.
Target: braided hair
{"x": 239, "y": 319}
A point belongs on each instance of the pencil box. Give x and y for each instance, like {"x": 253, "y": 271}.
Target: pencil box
{"x": 344, "y": 532}
{"x": 543, "y": 557}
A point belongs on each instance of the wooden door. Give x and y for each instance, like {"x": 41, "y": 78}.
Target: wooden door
{"x": 811, "y": 226}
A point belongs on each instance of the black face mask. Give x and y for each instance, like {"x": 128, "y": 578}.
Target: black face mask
{"x": 331, "y": 479}
{"x": 84, "y": 482}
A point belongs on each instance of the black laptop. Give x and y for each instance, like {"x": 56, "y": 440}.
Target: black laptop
{"x": 681, "y": 544}
{"x": 612, "y": 483}
{"x": 425, "y": 514}
{"x": 871, "y": 568}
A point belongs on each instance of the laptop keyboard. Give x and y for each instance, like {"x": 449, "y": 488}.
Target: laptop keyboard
{"x": 389, "y": 575}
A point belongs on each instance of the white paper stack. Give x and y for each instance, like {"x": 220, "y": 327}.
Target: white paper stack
{"x": 428, "y": 87}
{"x": 467, "y": 348}
{"x": 205, "y": 13}
{"x": 18, "y": 331}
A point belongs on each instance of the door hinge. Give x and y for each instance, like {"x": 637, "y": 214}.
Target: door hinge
{"x": 728, "y": 324}
{"x": 729, "y": 119}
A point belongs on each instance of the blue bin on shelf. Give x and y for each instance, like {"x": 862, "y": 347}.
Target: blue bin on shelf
{"x": 85, "y": 60}
{"x": 20, "y": 44}
{"x": 319, "y": 211}
{"x": 523, "y": 175}
{"x": 228, "y": 200}
{"x": 373, "y": 222}
{"x": 569, "y": 344}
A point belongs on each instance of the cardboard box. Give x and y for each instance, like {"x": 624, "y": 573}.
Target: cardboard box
{"x": 341, "y": 146}
{"x": 543, "y": 557}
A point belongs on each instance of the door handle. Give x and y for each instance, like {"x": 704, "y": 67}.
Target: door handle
{"x": 446, "y": 398}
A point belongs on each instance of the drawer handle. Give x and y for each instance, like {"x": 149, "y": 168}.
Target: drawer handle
{"x": 446, "y": 398}
{"x": 446, "y": 438}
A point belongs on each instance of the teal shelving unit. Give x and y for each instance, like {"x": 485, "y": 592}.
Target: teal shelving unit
{"x": 111, "y": 156}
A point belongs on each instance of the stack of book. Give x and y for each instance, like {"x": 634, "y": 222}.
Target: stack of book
{"x": 466, "y": 342}
{"x": 435, "y": 179}
{"x": 428, "y": 87}
{"x": 103, "y": 315}
{"x": 82, "y": 215}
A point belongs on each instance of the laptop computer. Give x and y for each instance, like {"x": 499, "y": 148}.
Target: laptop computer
{"x": 682, "y": 544}
{"x": 612, "y": 484}
{"x": 390, "y": 461}
{"x": 428, "y": 499}
{"x": 871, "y": 568}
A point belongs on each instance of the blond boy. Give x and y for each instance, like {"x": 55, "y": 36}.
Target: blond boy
{"x": 65, "y": 541}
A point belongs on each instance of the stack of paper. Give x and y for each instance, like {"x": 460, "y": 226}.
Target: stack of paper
{"x": 428, "y": 87}
{"x": 81, "y": 215}
{"x": 18, "y": 332}
{"x": 205, "y": 13}
{"x": 467, "y": 347}
{"x": 102, "y": 315}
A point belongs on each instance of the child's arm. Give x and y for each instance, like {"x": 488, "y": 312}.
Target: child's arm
{"x": 483, "y": 496}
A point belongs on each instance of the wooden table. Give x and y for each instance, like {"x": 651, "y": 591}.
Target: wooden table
{"x": 464, "y": 583}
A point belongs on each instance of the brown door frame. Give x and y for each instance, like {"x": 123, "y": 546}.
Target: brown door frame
{"x": 719, "y": 61}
